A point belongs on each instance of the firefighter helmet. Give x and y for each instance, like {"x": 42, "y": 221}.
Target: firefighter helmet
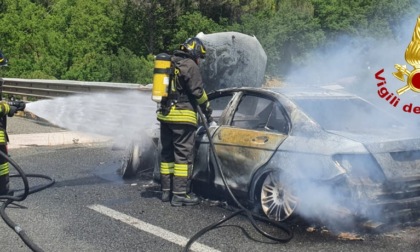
{"x": 194, "y": 47}
{"x": 3, "y": 60}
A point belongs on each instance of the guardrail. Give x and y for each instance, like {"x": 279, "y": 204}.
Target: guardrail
{"x": 47, "y": 89}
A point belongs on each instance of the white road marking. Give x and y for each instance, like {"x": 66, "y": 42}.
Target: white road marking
{"x": 54, "y": 138}
{"x": 154, "y": 230}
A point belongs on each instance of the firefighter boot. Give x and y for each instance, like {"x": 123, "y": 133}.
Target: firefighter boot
{"x": 166, "y": 183}
{"x": 184, "y": 200}
{"x": 4, "y": 184}
{"x": 181, "y": 197}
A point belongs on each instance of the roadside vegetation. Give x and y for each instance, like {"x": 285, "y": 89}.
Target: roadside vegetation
{"x": 116, "y": 40}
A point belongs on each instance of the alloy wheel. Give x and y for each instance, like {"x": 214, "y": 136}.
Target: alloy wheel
{"x": 277, "y": 202}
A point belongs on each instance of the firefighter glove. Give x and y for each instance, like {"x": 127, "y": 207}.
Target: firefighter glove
{"x": 12, "y": 111}
{"x": 207, "y": 111}
{"x": 20, "y": 105}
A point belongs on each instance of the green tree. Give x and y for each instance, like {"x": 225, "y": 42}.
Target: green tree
{"x": 385, "y": 18}
{"x": 128, "y": 68}
{"x": 339, "y": 17}
{"x": 231, "y": 11}
{"x": 115, "y": 40}
{"x": 190, "y": 25}
{"x": 287, "y": 35}
{"x": 143, "y": 26}
{"x": 93, "y": 30}
{"x": 22, "y": 32}
{"x": 363, "y": 17}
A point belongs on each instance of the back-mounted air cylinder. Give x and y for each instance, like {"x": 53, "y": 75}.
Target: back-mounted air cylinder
{"x": 161, "y": 77}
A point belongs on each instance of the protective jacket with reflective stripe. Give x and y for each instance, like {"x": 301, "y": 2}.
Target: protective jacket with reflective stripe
{"x": 4, "y": 110}
{"x": 189, "y": 86}
{"x": 4, "y": 165}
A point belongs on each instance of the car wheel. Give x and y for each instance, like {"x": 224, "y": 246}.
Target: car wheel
{"x": 277, "y": 201}
{"x": 132, "y": 162}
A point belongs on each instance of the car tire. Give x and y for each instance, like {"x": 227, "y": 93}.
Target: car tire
{"x": 277, "y": 200}
{"x": 131, "y": 162}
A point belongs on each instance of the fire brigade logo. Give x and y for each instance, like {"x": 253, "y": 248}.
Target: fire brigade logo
{"x": 412, "y": 56}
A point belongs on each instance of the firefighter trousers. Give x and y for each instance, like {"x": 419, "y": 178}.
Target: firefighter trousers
{"x": 4, "y": 171}
{"x": 177, "y": 156}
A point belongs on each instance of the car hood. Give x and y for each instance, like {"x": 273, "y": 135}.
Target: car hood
{"x": 397, "y": 151}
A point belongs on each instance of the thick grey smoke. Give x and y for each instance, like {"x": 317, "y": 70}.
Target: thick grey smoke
{"x": 126, "y": 116}
{"x": 352, "y": 63}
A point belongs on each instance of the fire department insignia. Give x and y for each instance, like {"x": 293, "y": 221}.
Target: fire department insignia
{"x": 412, "y": 56}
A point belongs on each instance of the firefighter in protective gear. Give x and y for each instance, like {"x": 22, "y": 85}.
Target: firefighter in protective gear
{"x": 178, "y": 123}
{"x": 3, "y": 60}
{"x": 6, "y": 109}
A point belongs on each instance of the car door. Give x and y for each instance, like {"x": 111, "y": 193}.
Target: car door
{"x": 258, "y": 125}
{"x": 201, "y": 170}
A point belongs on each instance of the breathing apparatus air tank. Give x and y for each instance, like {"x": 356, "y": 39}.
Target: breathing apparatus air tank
{"x": 161, "y": 77}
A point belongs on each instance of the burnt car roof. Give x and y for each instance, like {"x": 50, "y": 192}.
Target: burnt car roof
{"x": 351, "y": 106}
{"x": 296, "y": 92}
{"x": 325, "y": 91}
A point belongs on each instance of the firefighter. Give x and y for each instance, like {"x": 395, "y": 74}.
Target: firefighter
{"x": 178, "y": 123}
{"x": 6, "y": 109}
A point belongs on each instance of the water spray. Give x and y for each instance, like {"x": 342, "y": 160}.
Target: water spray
{"x": 101, "y": 113}
{"x": 124, "y": 115}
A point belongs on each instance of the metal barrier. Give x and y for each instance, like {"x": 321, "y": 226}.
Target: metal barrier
{"x": 42, "y": 89}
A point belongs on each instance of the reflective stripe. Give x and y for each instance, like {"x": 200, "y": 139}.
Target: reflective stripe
{"x": 2, "y": 137}
{"x": 203, "y": 98}
{"x": 181, "y": 170}
{"x": 4, "y": 108}
{"x": 166, "y": 168}
{"x": 175, "y": 80}
{"x": 4, "y": 169}
{"x": 179, "y": 115}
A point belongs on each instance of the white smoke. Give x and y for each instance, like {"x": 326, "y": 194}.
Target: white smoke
{"x": 352, "y": 63}
{"x": 126, "y": 116}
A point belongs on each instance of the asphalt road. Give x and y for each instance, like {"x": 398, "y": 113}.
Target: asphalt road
{"x": 90, "y": 208}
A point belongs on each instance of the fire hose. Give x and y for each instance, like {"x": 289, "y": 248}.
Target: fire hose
{"x": 252, "y": 217}
{"x": 20, "y": 197}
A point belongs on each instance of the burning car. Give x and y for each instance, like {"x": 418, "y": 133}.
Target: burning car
{"x": 314, "y": 152}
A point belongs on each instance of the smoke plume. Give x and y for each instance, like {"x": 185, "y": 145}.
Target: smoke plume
{"x": 350, "y": 64}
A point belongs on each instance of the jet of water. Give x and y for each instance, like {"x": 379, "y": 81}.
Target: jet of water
{"x": 124, "y": 115}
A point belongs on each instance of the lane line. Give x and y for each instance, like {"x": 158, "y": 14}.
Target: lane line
{"x": 54, "y": 138}
{"x": 154, "y": 230}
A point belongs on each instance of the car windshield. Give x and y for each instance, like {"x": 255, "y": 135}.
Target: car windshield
{"x": 346, "y": 113}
